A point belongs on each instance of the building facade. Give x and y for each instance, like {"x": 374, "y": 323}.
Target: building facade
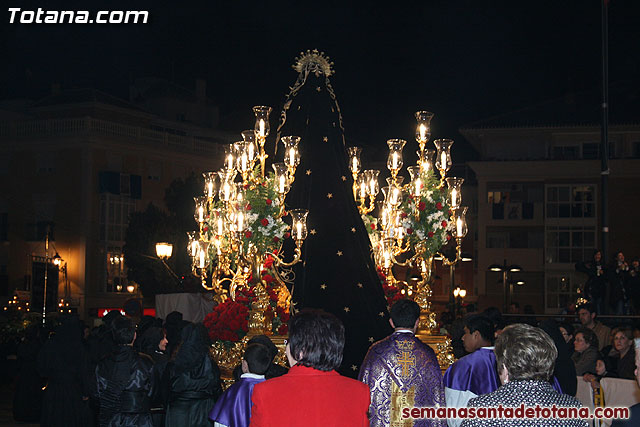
{"x": 75, "y": 165}
{"x": 539, "y": 200}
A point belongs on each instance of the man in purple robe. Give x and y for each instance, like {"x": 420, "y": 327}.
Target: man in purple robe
{"x": 475, "y": 373}
{"x": 233, "y": 409}
{"x": 402, "y": 372}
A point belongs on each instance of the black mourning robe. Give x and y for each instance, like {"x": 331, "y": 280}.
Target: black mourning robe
{"x": 338, "y": 274}
{"x": 125, "y": 384}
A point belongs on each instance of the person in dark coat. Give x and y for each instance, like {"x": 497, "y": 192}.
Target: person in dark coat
{"x": 153, "y": 343}
{"x": 27, "y": 400}
{"x": 596, "y": 285}
{"x": 564, "y": 369}
{"x": 193, "y": 380}
{"x": 634, "y": 411}
{"x": 125, "y": 381}
{"x": 620, "y": 360}
{"x": 173, "y": 325}
{"x": 64, "y": 362}
{"x": 586, "y": 351}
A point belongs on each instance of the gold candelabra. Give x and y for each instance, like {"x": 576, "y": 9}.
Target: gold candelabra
{"x": 414, "y": 220}
{"x": 240, "y": 223}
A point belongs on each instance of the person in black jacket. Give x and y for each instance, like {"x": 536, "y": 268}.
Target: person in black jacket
{"x": 564, "y": 369}
{"x": 193, "y": 380}
{"x": 125, "y": 381}
{"x": 596, "y": 285}
{"x": 153, "y": 343}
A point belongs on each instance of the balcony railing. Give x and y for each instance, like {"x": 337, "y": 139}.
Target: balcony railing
{"x": 89, "y": 127}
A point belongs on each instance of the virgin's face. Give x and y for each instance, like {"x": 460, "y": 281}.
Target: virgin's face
{"x": 580, "y": 344}
{"x": 621, "y": 342}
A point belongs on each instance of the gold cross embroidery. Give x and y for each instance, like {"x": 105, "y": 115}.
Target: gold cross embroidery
{"x": 406, "y": 359}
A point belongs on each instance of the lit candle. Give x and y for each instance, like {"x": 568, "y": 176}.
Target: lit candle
{"x": 194, "y": 248}
{"x": 282, "y": 183}
{"x": 423, "y": 132}
{"x": 418, "y": 186}
{"x": 394, "y": 198}
{"x": 387, "y": 259}
{"x": 363, "y": 190}
{"x": 261, "y": 128}
{"x": 459, "y": 227}
{"x": 227, "y": 191}
{"x": 372, "y": 186}
{"x": 443, "y": 160}
{"x": 299, "y": 229}
{"x": 454, "y": 198}
{"x": 394, "y": 161}
{"x": 292, "y": 157}
{"x": 355, "y": 165}
{"x": 240, "y": 221}
{"x": 244, "y": 162}
{"x": 210, "y": 189}
{"x": 202, "y": 259}
{"x": 251, "y": 153}
{"x": 200, "y": 214}
{"x": 220, "y": 227}
{"x": 230, "y": 161}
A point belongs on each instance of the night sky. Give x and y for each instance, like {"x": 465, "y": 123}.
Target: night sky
{"x": 464, "y": 60}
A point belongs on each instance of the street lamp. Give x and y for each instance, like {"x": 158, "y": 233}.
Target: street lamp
{"x": 465, "y": 257}
{"x": 506, "y": 269}
{"x": 459, "y": 294}
{"x": 164, "y": 250}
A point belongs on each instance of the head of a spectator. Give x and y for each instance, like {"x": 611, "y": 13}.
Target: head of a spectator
{"x": 584, "y": 339}
{"x": 316, "y": 340}
{"x": 524, "y": 352}
{"x": 601, "y": 367}
{"x": 193, "y": 348}
{"x": 478, "y": 332}
{"x": 586, "y": 315}
{"x": 265, "y": 341}
{"x": 124, "y": 330}
{"x": 597, "y": 256}
{"x": 405, "y": 314}
{"x": 108, "y": 318}
{"x": 256, "y": 359}
{"x": 566, "y": 329}
{"x": 153, "y": 340}
{"x": 619, "y": 258}
{"x": 623, "y": 340}
{"x": 637, "y": 371}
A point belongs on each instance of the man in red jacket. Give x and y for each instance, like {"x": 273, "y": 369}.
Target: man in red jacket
{"x": 312, "y": 393}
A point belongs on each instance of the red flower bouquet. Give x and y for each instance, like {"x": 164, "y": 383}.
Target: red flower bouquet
{"x": 227, "y": 322}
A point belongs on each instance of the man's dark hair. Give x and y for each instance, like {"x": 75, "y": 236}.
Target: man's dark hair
{"x": 258, "y": 358}
{"x": 316, "y": 339}
{"x": 587, "y": 306}
{"x": 482, "y": 324}
{"x": 265, "y": 341}
{"x": 404, "y": 313}
{"x": 123, "y": 330}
